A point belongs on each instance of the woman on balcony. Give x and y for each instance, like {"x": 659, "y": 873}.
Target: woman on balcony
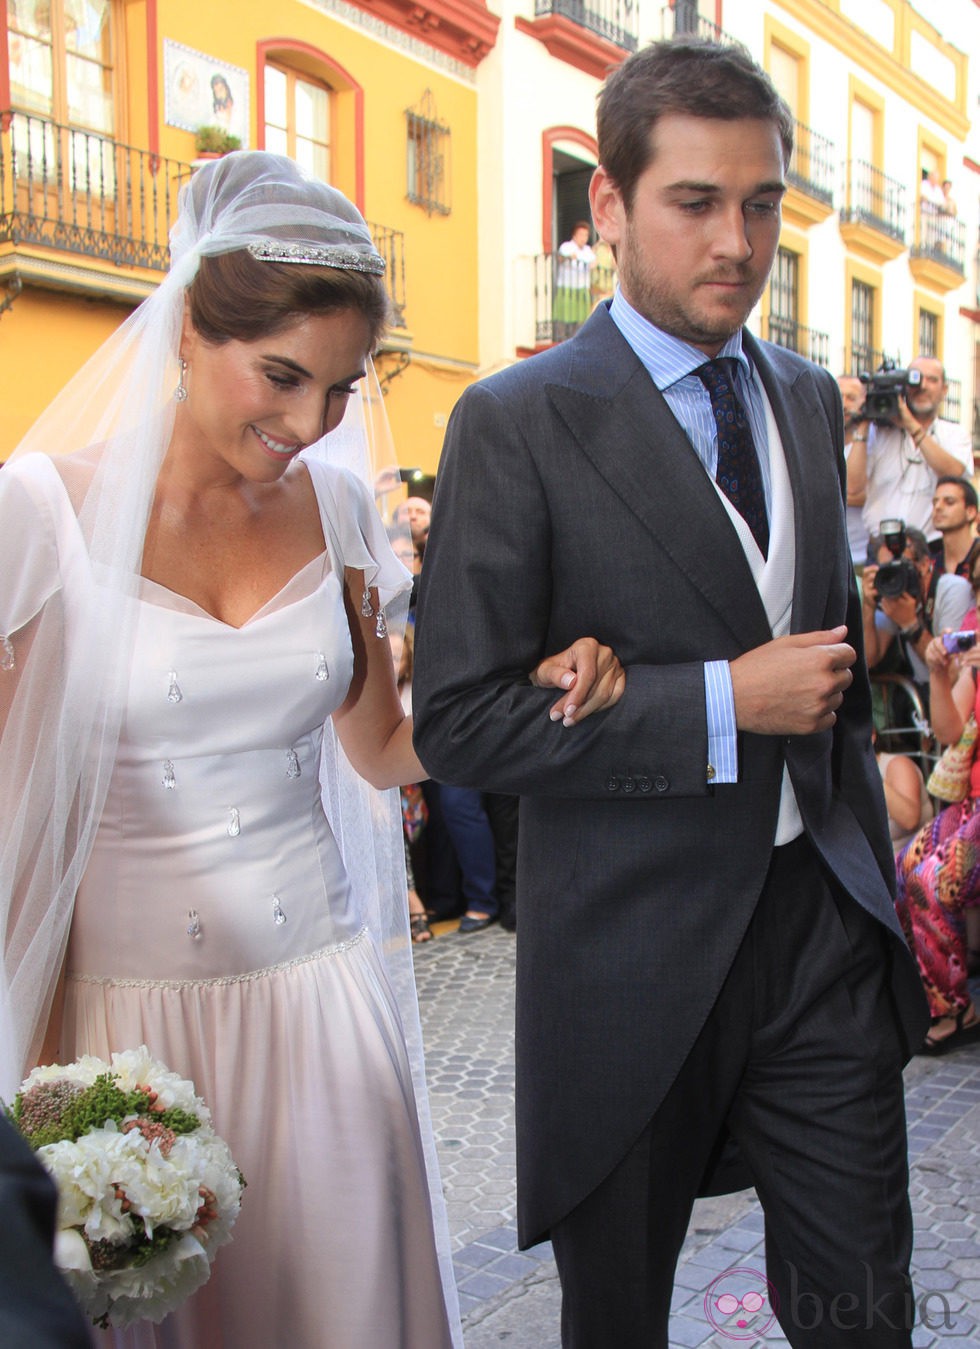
{"x": 573, "y": 282}
{"x": 199, "y": 718}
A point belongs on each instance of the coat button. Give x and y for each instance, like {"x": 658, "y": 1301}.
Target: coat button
{"x": 612, "y": 784}
{"x": 629, "y": 785}
{"x": 644, "y": 784}
{"x": 661, "y": 783}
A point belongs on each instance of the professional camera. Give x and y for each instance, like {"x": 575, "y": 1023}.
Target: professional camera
{"x": 884, "y": 388}
{"x": 900, "y": 577}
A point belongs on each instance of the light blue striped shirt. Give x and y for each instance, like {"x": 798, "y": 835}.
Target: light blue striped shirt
{"x": 671, "y": 363}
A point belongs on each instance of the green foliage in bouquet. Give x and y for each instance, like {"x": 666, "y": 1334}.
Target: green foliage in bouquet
{"x": 50, "y": 1112}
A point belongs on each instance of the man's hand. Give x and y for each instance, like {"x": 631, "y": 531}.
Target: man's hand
{"x": 869, "y": 588}
{"x": 903, "y": 610}
{"x": 793, "y": 685}
{"x": 905, "y": 419}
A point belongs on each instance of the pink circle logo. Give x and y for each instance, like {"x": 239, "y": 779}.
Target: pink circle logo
{"x": 740, "y": 1304}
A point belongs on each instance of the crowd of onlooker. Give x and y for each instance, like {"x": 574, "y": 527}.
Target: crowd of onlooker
{"x": 460, "y": 844}
{"x": 912, "y": 526}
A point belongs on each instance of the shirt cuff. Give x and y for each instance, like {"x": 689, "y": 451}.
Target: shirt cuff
{"x": 719, "y": 704}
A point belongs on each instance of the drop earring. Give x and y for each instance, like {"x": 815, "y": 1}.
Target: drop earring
{"x": 180, "y": 393}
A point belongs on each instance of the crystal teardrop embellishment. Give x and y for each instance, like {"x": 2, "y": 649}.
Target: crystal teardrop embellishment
{"x": 278, "y": 917}
{"x": 234, "y": 822}
{"x": 293, "y": 769}
{"x": 8, "y": 660}
{"x": 193, "y": 923}
{"x": 169, "y": 777}
{"x": 321, "y": 672}
{"x": 381, "y": 627}
{"x": 366, "y": 610}
{"x": 174, "y": 694}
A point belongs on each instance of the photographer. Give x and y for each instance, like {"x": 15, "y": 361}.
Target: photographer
{"x": 855, "y": 439}
{"x": 893, "y": 593}
{"x": 908, "y": 448}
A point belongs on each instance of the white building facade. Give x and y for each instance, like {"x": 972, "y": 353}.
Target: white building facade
{"x": 885, "y": 96}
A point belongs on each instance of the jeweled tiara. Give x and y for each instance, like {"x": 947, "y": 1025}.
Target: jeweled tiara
{"x": 316, "y": 255}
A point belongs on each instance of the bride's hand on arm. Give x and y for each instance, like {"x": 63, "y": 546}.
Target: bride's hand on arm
{"x": 591, "y": 675}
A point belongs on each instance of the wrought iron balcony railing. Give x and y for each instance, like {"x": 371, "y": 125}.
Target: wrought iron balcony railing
{"x": 811, "y": 167}
{"x": 614, "y": 20}
{"x": 866, "y": 360}
{"x": 872, "y": 198}
{"x": 565, "y": 293}
{"x": 80, "y": 193}
{"x": 391, "y": 245}
{"x": 808, "y": 342}
{"x": 683, "y": 20}
{"x": 953, "y": 403}
{"x": 941, "y": 238}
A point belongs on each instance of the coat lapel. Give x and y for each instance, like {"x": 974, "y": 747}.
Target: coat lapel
{"x": 622, "y": 423}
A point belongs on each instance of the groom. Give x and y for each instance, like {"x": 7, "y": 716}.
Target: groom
{"x": 712, "y": 989}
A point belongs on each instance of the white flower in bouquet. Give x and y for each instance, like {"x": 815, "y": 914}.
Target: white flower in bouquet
{"x": 147, "y": 1190}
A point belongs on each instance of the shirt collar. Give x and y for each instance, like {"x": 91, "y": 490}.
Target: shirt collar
{"x": 667, "y": 359}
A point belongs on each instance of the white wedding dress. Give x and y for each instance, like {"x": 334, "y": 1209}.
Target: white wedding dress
{"x": 216, "y": 925}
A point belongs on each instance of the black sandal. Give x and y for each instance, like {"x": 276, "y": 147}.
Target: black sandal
{"x": 419, "y": 926}
{"x": 962, "y": 1035}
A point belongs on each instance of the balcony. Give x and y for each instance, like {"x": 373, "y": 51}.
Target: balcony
{"x": 809, "y": 178}
{"x": 613, "y": 20}
{"x": 938, "y": 257}
{"x": 952, "y": 407}
{"x": 591, "y": 35}
{"x": 69, "y": 192}
{"x": 565, "y": 293}
{"x": 683, "y": 20}
{"x": 80, "y": 212}
{"x": 872, "y": 221}
{"x": 866, "y": 360}
{"x": 391, "y": 245}
{"x": 808, "y": 342}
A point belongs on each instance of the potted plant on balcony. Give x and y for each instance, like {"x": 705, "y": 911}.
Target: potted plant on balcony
{"x": 211, "y": 142}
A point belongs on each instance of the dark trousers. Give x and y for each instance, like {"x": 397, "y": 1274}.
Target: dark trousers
{"x": 457, "y": 817}
{"x": 800, "y": 1060}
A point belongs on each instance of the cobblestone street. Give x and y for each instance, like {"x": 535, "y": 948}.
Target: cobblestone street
{"x": 511, "y": 1298}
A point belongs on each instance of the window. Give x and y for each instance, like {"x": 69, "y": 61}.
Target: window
{"x": 784, "y": 291}
{"x": 928, "y": 333}
{"x": 297, "y": 119}
{"x": 60, "y": 55}
{"x": 427, "y": 158}
{"x": 863, "y": 353}
{"x": 61, "y": 88}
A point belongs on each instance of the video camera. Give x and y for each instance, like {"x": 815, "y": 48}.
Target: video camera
{"x": 884, "y": 388}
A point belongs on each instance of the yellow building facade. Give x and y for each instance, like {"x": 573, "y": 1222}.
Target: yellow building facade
{"x": 101, "y": 108}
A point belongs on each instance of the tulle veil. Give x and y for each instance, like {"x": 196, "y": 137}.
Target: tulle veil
{"x": 67, "y": 612}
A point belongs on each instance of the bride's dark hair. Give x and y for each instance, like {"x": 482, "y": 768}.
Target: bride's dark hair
{"x": 235, "y": 296}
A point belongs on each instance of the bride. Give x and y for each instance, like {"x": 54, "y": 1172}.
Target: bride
{"x": 199, "y": 721}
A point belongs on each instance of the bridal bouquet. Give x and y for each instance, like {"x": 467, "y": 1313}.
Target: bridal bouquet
{"x": 147, "y": 1189}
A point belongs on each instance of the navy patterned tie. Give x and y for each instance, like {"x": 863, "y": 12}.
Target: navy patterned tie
{"x": 738, "y": 474}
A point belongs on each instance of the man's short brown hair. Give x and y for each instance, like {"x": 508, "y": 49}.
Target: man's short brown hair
{"x": 690, "y": 76}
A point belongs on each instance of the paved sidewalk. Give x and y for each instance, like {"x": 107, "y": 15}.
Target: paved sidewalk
{"x": 511, "y": 1299}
